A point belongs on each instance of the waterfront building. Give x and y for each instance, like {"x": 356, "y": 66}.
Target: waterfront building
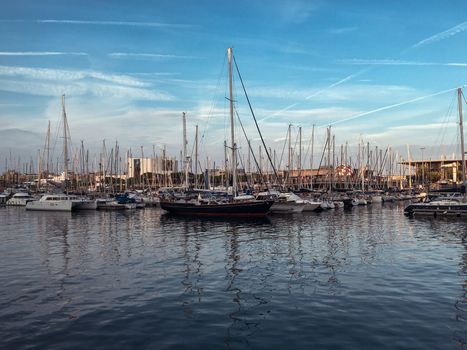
{"x": 137, "y": 167}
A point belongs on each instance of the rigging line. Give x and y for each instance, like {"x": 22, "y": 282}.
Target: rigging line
{"x": 322, "y": 157}
{"x": 294, "y": 149}
{"x": 256, "y": 122}
{"x": 359, "y": 115}
{"x": 206, "y": 125}
{"x": 308, "y": 150}
{"x": 246, "y": 177}
{"x": 249, "y": 145}
{"x": 283, "y": 149}
{"x": 444, "y": 125}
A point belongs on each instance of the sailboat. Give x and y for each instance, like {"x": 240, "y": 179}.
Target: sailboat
{"x": 449, "y": 206}
{"x": 195, "y": 204}
{"x": 62, "y": 201}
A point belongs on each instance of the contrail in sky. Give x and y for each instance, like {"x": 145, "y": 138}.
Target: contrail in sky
{"x": 342, "y": 81}
{"x": 442, "y": 35}
{"x": 359, "y": 115}
{"x": 437, "y": 37}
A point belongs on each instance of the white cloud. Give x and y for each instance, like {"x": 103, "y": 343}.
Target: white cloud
{"x": 391, "y": 62}
{"x": 148, "y": 55}
{"x": 297, "y": 11}
{"x": 54, "y": 82}
{"x": 114, "y": 23}
{"x": 67, "y": 75}
{"x": 41, "y": 53}
{"x": 343, "y": 30}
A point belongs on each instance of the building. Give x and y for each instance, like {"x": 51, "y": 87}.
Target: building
{"x": 158, "y": 165}
{"x": 436, "y": 171}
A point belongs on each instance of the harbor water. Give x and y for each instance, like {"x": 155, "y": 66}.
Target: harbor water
{"x": 365, "y": 278}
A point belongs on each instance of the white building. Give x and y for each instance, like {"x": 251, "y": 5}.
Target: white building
{"x": 157, "y": 165}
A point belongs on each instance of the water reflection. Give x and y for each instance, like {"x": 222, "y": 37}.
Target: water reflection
{"x": 328, "y": 278}
{"x": 459, "y": 335}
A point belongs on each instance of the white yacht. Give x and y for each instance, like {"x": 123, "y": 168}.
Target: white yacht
{"x": 288, "y": 203}
{"x": 61, "y": 202}
{"x": 52, "y": 202}
{"x": 20, "y": 199}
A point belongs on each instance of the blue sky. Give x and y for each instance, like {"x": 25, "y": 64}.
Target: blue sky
{"x": 130, "y": 68}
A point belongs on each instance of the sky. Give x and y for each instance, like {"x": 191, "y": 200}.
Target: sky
{"x": 383, "y": 72}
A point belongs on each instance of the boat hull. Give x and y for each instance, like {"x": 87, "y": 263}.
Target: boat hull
{"x": 85, "y": 205}
{"x": 422, "y": 209}
{"x": 18, "y": 202}
{"x": 114, "y": 205}
{"x": 311, "y": 206}
{"x": 50, "y": 206}
{"x": 246, "y": 209}
{"x": 287, "y": 208}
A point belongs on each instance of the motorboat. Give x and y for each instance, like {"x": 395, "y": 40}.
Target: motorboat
{"x": 52, "y": 202}
{"x": 440, "y": 207}
{"x": 20, "y": 199}
{"x": 61, "y": 202}
{"x": 285, "y": 202}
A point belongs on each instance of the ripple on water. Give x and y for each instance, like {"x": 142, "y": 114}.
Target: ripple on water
{"x": 363, "y": 279}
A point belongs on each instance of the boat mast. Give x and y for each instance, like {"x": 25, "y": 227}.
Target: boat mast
{"x": 65, "y": 140}
{"x": 232, "y": 129}
{"x": 185, "y": 157}
{"x": 289, "y": 162}
{"x": 48, "y": 150}
{"x": 196, "y": 157}
{"x": 311, "y": 157}
{"x": 329, "y": 174}
{"x": 461, "y": 130}
{"x": 333, "y": 175}
{"x": 226, "y": 173}
{"x": 300, "y": 158}
{"x": 39, "y": 170}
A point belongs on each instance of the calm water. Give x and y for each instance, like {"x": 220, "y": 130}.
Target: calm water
{"x": 361, "y": 279}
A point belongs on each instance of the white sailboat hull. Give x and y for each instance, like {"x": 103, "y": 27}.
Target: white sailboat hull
{"x": 18, "y": 202}
{"x": 311, "y": 206}
{"x": 50, "y": 206}
{"x": 287, "y": 208}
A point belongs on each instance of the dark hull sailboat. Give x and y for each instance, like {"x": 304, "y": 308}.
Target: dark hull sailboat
{"x": 437, "y": 209}
{"x": 223, "y": 206}
{"x": 253, "y": 208}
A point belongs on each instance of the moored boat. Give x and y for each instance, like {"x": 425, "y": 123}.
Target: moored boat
{"x": 446, "y": 206}
{"x": 61, "y": 202}
{"x": 82, "y": 203}
{"x": 20, "y": 199}
{"x": 52, "y": 202}
{"x": 120, "y": 202}
{"x": 227, "y": 205}
{"x": 440, "y": 207}
{"x": 230, "y": 208}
